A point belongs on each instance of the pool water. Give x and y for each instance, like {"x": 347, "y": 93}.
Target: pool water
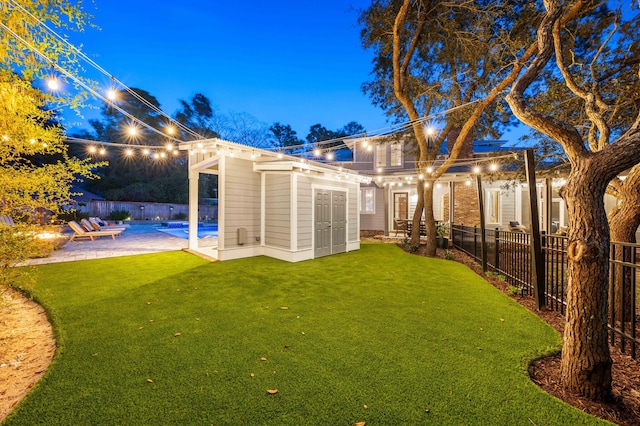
{"x": 182, "y": 230}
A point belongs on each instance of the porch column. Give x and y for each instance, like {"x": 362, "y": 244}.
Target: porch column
{"x": 194, "y": 175}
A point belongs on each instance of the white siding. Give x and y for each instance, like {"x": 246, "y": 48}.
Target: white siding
{"x": 374, "y": 222}
{"x": 278, "y": 210}
{"x": 241, "y": 202}
{"x": 353, "y": 196}
{"x": 305, "y": 213}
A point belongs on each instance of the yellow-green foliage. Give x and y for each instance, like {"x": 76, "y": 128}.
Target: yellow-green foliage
{"x": 36, "y": 172}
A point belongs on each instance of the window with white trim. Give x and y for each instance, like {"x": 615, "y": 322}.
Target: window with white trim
{"x": 381, "y": 155}
{"x": 395, "y": 155}
{"x": 492, "y": 206}
{"x": 368, "y": 200}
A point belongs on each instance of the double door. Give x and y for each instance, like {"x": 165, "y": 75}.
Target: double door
{"x": 330, "y": 227}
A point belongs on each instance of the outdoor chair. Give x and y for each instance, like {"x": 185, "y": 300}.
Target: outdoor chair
{"x": 79, "y": 232}
{"x": 95, "y": 225}
{"x": 515, "y": 226}
{"x": 7, "y": 220}
{"x": 401, "y": 226}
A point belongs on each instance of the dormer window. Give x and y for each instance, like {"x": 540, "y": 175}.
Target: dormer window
{"x": 395, "y": 159}
{"x": 381, "y": 155}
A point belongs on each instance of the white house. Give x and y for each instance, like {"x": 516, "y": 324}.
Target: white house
{"x": 274, "y": 205}
{"x": 391, "y": 194}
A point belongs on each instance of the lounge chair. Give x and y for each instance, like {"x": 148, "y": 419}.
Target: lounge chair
{"x": 95, "y": 225}
{"x": 7, "y": 220}
{"x": 79, "y": 232}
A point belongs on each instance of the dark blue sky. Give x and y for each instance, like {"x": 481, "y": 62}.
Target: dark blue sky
{"x": 297, "y": 62}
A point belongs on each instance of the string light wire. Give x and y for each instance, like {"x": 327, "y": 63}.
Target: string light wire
{"x": 381, "y": 132}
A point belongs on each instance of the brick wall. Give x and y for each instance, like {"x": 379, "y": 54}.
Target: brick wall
{"x": 465, "y": 205}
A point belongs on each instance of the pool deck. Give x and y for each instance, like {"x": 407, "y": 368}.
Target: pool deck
{"x": 136, "y": 239}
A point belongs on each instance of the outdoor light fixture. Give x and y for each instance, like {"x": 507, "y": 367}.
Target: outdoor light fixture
{"x": 493, "y": 167}
{"x": 429, "y": 169}
{"x": 430, "y": 130}
{"x": 128, "y": 152}
{"x": 476, "y": 169}
{"x": 103, "y": 151}
{"x": 53, "y": 83}
{"x": 132, "y": 130}
{"x": 112, "y": 94}
{"x": 330, "y": 156}
{"x": 317, "y": 152}
{"x": 171, "y": 130}
{"x": 169, "y": 146}
{"x": 92, "y": 149}
{"x": 32, "y": 141}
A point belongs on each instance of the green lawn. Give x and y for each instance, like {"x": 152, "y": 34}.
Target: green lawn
{"x": 415, "y": 340}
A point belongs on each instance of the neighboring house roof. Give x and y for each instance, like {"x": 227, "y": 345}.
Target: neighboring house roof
{"x": 83, "y": 196}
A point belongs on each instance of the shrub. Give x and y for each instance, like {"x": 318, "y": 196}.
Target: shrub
{"x": 180, "y": 216}
{"x": 119, "y": 215}
{"x": 67, "y": 215}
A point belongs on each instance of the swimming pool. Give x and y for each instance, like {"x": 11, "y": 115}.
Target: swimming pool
{"x": 209, "y": 230}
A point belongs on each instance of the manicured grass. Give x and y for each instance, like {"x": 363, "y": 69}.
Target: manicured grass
{"x": 415, "y": 340}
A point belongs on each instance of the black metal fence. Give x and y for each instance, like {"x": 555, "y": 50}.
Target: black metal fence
{"x": 509, "y": 254}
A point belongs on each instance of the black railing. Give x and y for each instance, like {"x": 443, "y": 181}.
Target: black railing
{"x": 509, "y": 254}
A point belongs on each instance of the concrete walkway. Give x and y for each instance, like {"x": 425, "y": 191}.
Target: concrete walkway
{"x": 136, "y": 239}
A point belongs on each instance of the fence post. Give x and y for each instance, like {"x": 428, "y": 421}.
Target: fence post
{"x": 496, "y": 263}
{"x": 536, "y": 240}
{"x": 483, "y": 238}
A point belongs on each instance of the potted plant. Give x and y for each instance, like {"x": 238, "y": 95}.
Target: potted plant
{"x": 442, "y": 229}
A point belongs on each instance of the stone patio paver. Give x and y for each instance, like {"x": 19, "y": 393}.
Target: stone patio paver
{"x": 136, "y": 239}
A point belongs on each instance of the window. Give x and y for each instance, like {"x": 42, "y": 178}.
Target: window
{"x": 492, "y": 205}
{"x": 368, "y": 201}
{"x": 381, "y": 155}
{"x": 396, "y": 155}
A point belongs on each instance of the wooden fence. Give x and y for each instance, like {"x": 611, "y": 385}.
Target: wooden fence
{"x": 146, "y": 211}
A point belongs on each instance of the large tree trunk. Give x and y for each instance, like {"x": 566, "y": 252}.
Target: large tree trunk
{"x": 586, "y": 363}
{"x": 417, "y": 216}
{"x": 429, "y": 220}
{"x": 624, "y": 220}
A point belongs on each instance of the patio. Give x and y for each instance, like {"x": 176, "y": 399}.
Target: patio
{"x": 137, "y": 239}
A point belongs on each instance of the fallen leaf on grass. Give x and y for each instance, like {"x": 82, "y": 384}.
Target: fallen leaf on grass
{"x": 252, "y": 375}
{"x": 272, "y": 391}
{"x": 365, "y": 406}
{"x": 177, "y": 335}
{"x": 149, "y": 380}
{"x": 263, "y": 359}
{"x": 148, "y": 303}
{"x": 359, "y": 423}
{"x": 284, "y": 308}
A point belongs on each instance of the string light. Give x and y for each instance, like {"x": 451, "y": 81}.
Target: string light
{"x": 476, "y": 169}
{"x": 53, "y": 83}
{"x": 112, "y": 95}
